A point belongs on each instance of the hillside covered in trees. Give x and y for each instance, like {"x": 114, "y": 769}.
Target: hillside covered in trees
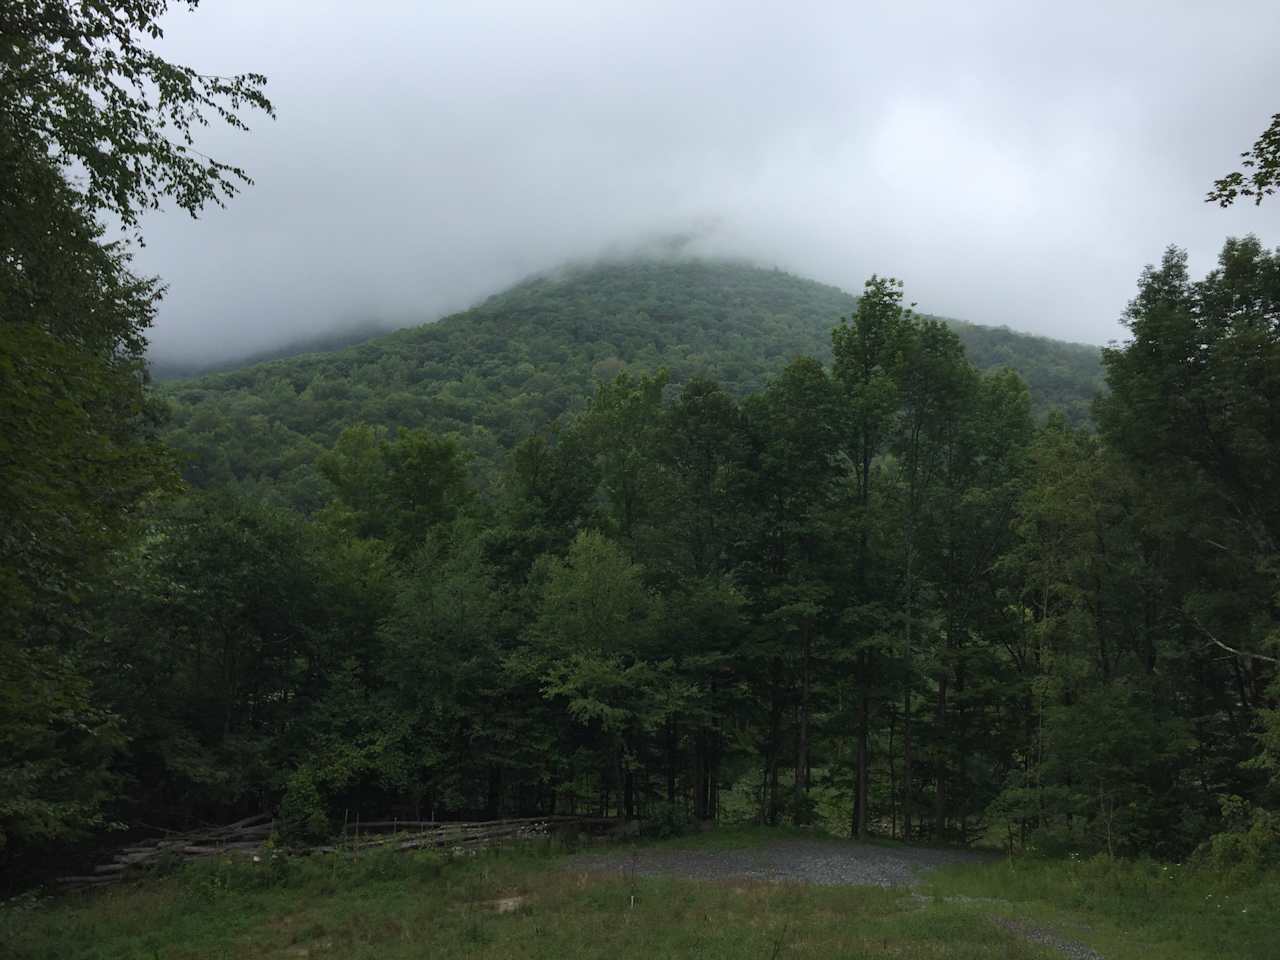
{"x": 874, "y": 593}
{"x": 523, "y": 358}
{"x": 659, "y": 540}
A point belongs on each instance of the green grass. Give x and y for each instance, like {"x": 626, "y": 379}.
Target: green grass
{"x": 1130, "y": 909}
{"x": 393, "y": 906}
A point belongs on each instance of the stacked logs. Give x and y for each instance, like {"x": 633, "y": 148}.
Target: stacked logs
{"x": 248, "y": 837}
{"x": 244, "y": 836}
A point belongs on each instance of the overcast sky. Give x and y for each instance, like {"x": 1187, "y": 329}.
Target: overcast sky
{"x": 1014, "y": 163}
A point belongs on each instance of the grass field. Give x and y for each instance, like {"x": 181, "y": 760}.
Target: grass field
{"x": 1130, "y": 909}
{"x": 530, "y": 904}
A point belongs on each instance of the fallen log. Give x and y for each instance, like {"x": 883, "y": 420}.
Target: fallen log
{"x": 257, "y": 818}
{"x": 198, "y": 850}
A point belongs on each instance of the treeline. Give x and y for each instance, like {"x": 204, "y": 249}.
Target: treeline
{"x": 875, "y": 595}
{"x": 514, "y": 364}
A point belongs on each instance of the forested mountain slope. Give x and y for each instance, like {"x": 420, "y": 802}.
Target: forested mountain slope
{"x": 510, "y": 366}
{"x": 170, "y": 368}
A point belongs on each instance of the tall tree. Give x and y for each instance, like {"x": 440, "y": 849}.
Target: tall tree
{"x": 620, "y": 427}
{"x": 788, "y": 566}
{"x": 594, "y": 632}
{"x": 936, "y": 387}
{"x": 867, "y": 355}
{"x": 80, "y": 93}
{"x": 1192, "y": 407}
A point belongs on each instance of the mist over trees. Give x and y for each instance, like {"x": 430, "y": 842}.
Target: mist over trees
{"x": 515, "y": 363}
{"x": 870, "y": 589}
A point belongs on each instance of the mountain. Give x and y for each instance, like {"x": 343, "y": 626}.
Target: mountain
{"x": 169, "y": 368}
{"x": 512, "y": 365}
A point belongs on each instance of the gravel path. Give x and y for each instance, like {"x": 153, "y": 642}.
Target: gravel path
{"x": 802, "y": 861}
{"x": 815, "y": 861}
{"x": 1073, "y": 949}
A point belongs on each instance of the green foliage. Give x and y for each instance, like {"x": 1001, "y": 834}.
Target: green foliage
{"x": 1250, "y": 842}
{"x": 871, "y": 593}
{"x": 82, "y": 90}
{"x": 876, "y": 586}
{"x": 593, "y": 602}
{"x": 506, "y": 369}
{"x": 55, "y": 747}
{"x": 91, "y": 122}
{"x": 666, "y": 822}
{"x": 1261, "y": 172}
{"x": 1111, "y": 755}
{"x": 228, "y": 644}
{"x": 396, "y": 490}
{"x": 304, "y": 815}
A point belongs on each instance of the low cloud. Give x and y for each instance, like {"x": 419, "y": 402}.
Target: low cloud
{"x": 1014, "y": 163}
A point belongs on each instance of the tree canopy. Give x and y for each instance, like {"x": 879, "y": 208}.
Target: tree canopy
{"x": 1260, "y": 173}
{"x": 87, "y": 117}
{"x": 80, "y": 91}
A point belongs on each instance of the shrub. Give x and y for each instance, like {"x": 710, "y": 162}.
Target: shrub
{"x": 304, "y": 816}
{"x": 670, "y": 820}
{"x": 1250, "y": 842}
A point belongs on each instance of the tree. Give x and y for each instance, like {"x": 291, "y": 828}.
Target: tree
{"x": 87, "y": 117}
{"x": 868, "y": 352}
{"x": 700, "y": 447}
{"x": 394, "y": 489}
{"x": 78, "y": 90}
{"x": 443, "y": 661}
{"x": 787, "y": 565}
{"x": 1193, "y": 397}
{"x": 1192, "y": 409}
{"x": 619, "y": 428}
{"x": 1261, "y": 173}
{"x": 225, "y": 626}
{"x": 937, "y": 391}
{"x": 594, "y": 633}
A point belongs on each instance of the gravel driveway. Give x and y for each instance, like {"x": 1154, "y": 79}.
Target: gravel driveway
{"x": 814, "y": 861}
{"x": 803, "y": 861}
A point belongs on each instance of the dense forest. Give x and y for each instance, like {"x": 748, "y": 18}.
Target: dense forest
{"x": 621, "y": 540}
{"x": 524, "y": 358}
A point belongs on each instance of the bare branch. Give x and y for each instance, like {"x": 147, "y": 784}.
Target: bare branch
{"x": 1238, "y": 653}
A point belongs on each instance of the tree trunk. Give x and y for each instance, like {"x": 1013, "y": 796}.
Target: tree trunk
{"x": 802, "y": 730}
{"x": 495, "y": 791}
{"x": 940, "y": 773}
{"x": 907, "y": 805}
{"x": 861, "y": 784}
{"x": 713, "y": 778}
{"x": 893, "y": 781}
{"x": 672, "y": 743}
{"x": 775, "y": 746}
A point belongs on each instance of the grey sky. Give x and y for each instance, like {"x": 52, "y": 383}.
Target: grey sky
{"x": 1015, "y": 163}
